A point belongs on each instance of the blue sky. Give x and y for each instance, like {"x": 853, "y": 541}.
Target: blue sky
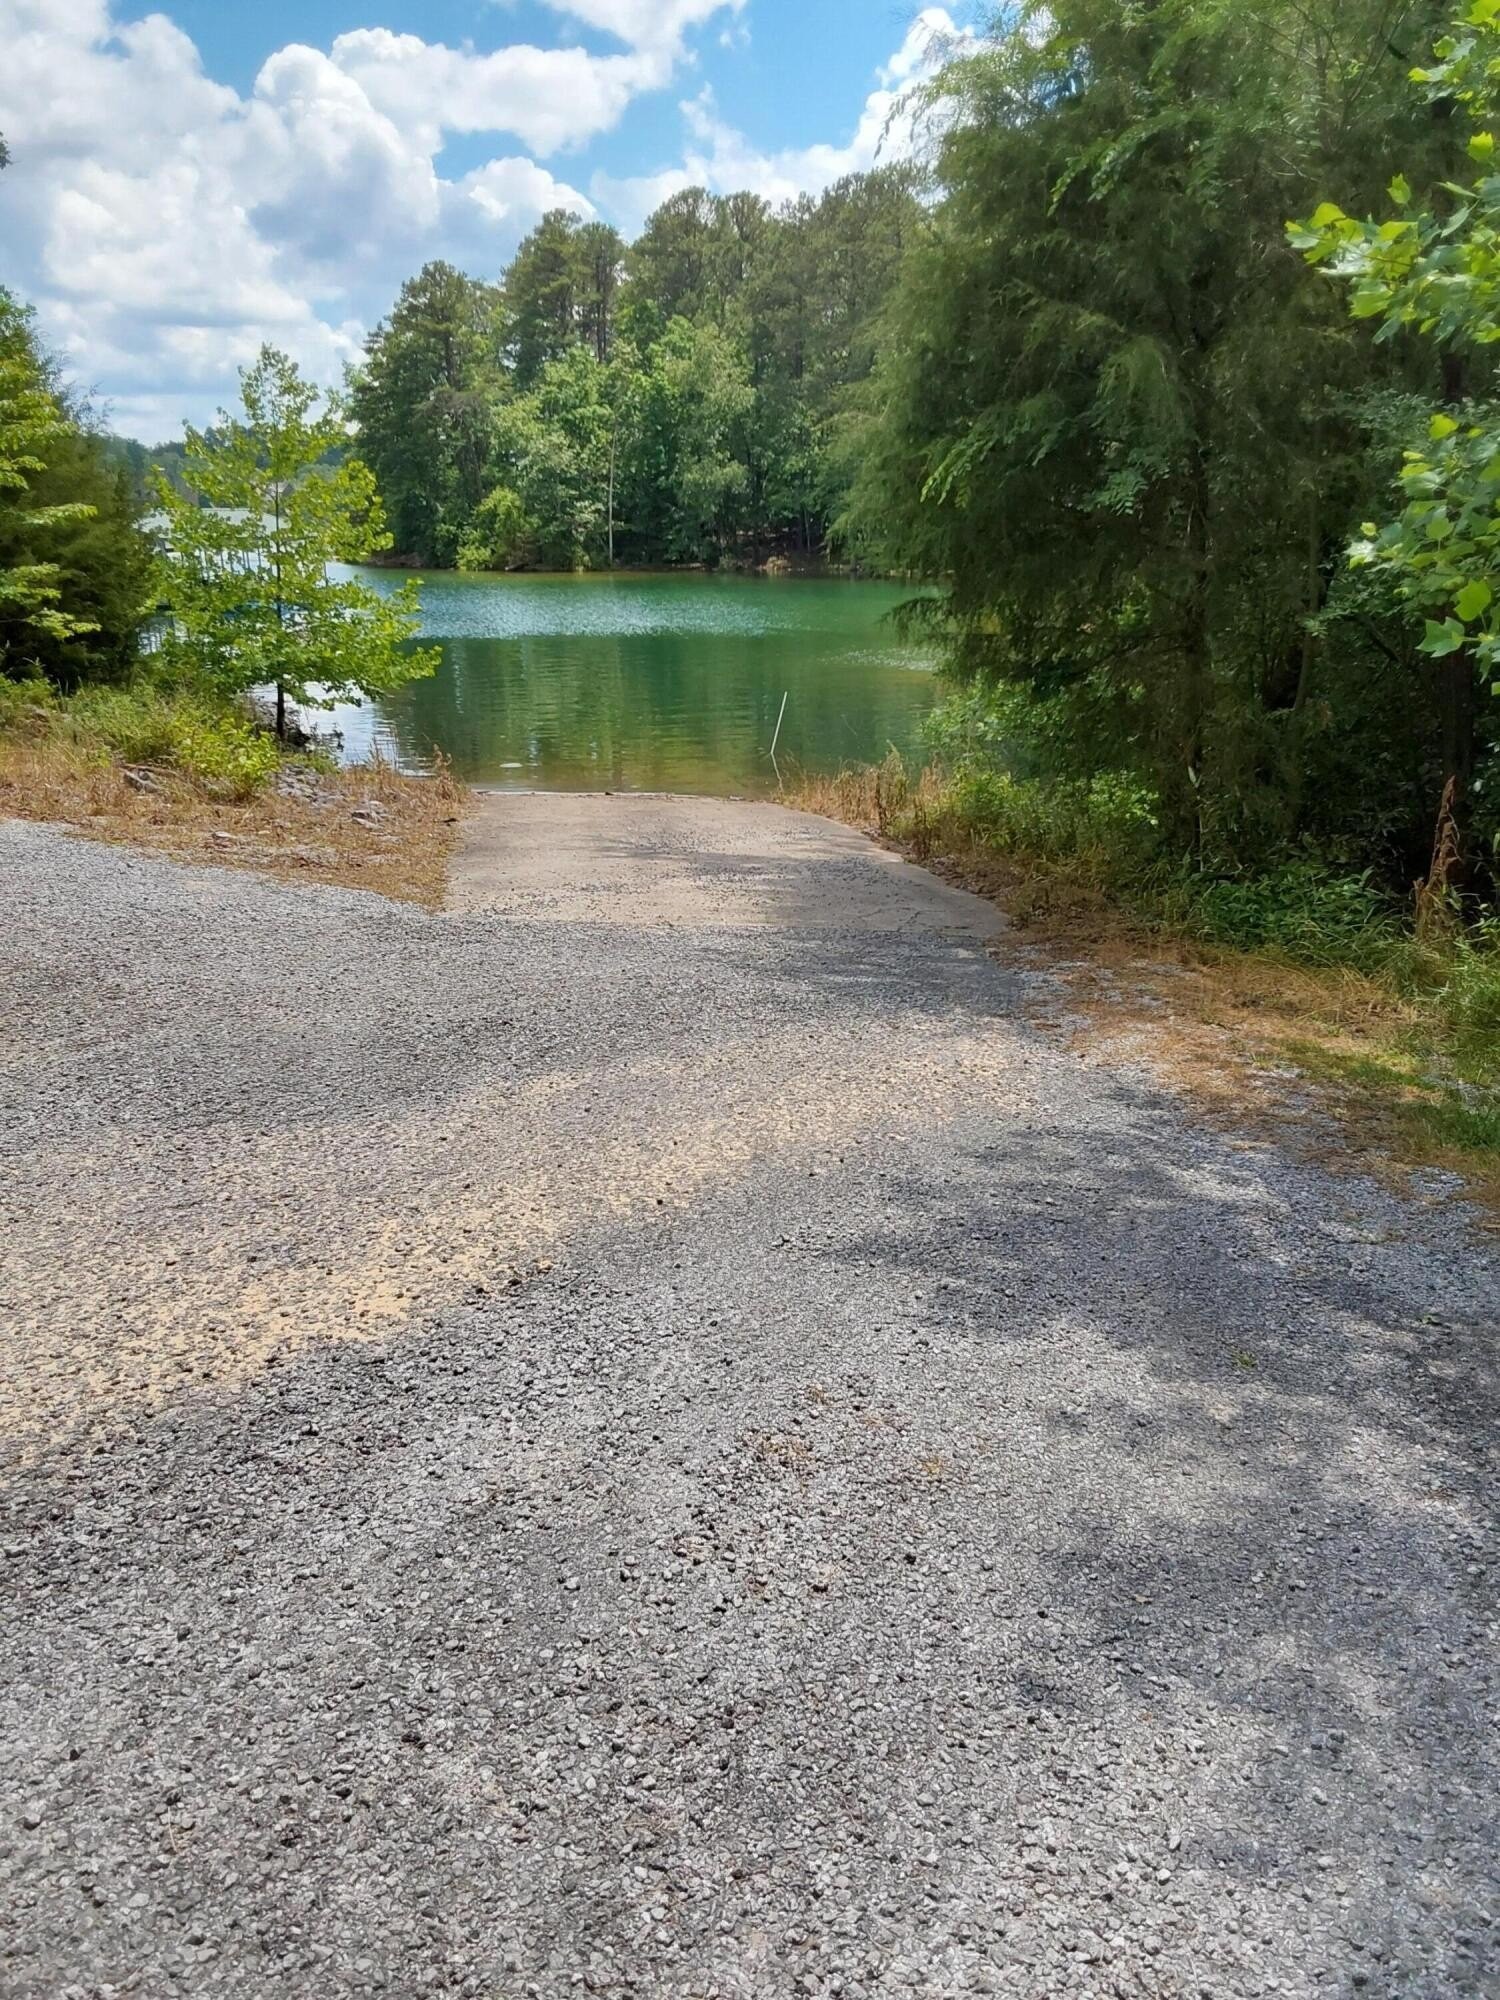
{"x": 191, "y": 180}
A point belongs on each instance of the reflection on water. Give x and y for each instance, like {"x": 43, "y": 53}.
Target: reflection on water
{"x": 651, "y": 683}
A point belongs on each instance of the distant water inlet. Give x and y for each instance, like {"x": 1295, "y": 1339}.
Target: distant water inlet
{"x": 651, "y": 683}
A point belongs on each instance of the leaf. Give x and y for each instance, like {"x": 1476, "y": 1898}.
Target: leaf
{"x": 1474, "y": 600}
{"x": 1482, "y": 146}
{"x": 1326, "y": 215}
{"x": 1442, "y": 639}
{"x": 1400, "y": 191}
{"x": 1441, "y": 427}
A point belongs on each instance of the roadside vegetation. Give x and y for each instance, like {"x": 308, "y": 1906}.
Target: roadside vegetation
{"x": 1170, "y": 374}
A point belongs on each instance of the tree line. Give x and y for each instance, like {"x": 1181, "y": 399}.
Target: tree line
{"x": 1149, "y": 447}
{"x": 685, "y": 399}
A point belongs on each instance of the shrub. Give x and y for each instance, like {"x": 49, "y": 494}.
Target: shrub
{"x": 1108, "y": 821}
{"x": 25, "y": 703}
{"x": 145, "y": 724}
{"x": 1470, "y": 1001}
{"x": 1299, "y": 912}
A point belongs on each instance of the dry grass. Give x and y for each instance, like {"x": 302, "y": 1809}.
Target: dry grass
{"x": 1323, "y": 1059}
{"x": 366, "y": 828}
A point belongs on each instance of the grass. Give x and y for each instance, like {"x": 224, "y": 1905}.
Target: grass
{"x": 152, "y": 769}
{"x": 1266, "y": 999}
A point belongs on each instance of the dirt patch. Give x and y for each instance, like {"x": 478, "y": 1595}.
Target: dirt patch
{"x": 365, "y": 828}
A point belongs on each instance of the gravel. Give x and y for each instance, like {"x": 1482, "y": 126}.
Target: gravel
{"x": 550, "y": 1456}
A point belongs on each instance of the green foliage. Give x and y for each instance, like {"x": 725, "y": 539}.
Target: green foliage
{"x": 251, "y": 599}
{"x": 25, "y": 700}
{"x": 561, "y": 290}
{"x": 1470, "y": 1001}
{"x": 1435, "y": 270}
{"x": 146, "y": 723}
{"x": 501, "y": 534}
{"x": 1300, "y": 912}
{"x": 423, "y": 405}
{"x": 1133, "y": 433}
{"x": 75, "y": 569}
{"x": 555, "y": 446}
{"x": 685, "y": 401}
{"x": 138, "y": 464}
{"x": 692, "y": 403}
{"x": 34, "y": 430}
{"x": 1109, "y": 819}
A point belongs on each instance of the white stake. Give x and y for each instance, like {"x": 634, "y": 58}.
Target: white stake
{"x": 779, "y": 720}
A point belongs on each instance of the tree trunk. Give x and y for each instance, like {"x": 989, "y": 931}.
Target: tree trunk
{"x": 280, "y": 713}
{"x": 613, "y": 443}
{"x": 1457, "y": 709}
{"x": 1197, "y": 656}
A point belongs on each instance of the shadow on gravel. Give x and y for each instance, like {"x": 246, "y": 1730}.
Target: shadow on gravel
{"x": 1291, "y": 1408}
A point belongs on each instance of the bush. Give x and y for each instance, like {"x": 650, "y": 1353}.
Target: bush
{"x": 149, "y": 725}
{"x": 1470, "y": 1001}
{"x": 1108, "y": 821}
{"x": 1299, "y": 912}
{"x": 501, "y": 535}
{"x": 25, "y": 703}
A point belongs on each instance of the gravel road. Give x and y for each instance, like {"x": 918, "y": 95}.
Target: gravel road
{"x": 660, "y": 1434}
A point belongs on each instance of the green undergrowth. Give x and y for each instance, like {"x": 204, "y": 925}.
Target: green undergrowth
{"x": 142, "y": 723}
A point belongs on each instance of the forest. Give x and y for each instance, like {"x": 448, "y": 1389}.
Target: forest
{"x": 1147, "y": 435}
{"x": 685, "y": 399}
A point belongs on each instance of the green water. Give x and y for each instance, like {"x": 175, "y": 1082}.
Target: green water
{"x": 651, "y": 683}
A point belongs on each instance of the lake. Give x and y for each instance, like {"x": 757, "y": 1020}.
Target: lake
{"x": 651, "y": 683}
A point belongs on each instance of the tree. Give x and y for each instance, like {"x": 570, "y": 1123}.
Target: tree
{"x": 689, "y": 478}
{"x": 442, "y": 399}
{"x": 1122, "y": 421}
{"x": 247, "y": 576}
{"x": 1435, "y": 272}
{"x": 105, "y": 564}
{"x": 34, "y": 431}
{"x": 600, "y": 251}
{"x": 671, "y": 264}
{"x": 423, "y": 404}
{"x": 555, "y": 444}
{"x": 561, "y": 289}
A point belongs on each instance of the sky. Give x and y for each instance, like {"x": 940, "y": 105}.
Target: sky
{"x": 190, "y": 182}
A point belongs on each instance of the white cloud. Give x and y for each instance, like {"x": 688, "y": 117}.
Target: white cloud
{"x": 719, "y": 158}
{"x": 644, "y": 24}
{"x": 548, "y": 97}
{"x": 166, "y": 225}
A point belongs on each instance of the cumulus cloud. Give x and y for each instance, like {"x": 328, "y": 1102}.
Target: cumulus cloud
{"x": 166, "y": 225}
{"x": 548, "y": 97}
{"x": 717, "y": 157}
{"x": 644, "y": 24}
